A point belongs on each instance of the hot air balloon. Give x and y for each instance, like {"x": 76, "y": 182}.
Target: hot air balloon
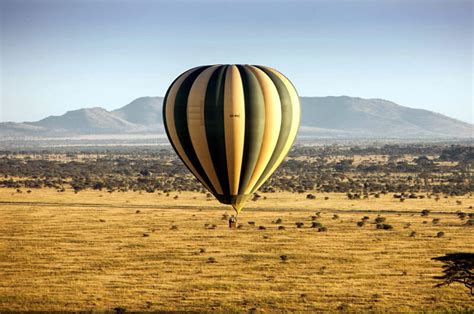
{"x": 232, "y": 126}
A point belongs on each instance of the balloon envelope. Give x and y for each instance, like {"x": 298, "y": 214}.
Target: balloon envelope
{"x": 232, "y": 126}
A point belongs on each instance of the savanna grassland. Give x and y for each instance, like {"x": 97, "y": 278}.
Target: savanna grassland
{"x": 356, "y": 230}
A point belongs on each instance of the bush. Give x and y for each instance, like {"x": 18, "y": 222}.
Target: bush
{"x": 283, "y": 258}
{"x": 261, "y": 228}
{"x": 413, "y": 234}
{"x": 461, "y": 215}
{"x": 335, "y": 216}
{"x": 360, "y": 223}
{"x": 211, "y": 260}
{"x": 299, "y": 225}
{"x": 384, "y": 226}
{"x": 322, "y": 229}
{"x": 425, "y": 212}
{"x": 440, "y": 234}
{"x": 316, "y": 224}
{"x": 310, "y": 197}
{"x": 379, "y": 219}
{"x": 435, "y": 221}
{"x": 281, "y": 228}
{"x": 278, "y": 221}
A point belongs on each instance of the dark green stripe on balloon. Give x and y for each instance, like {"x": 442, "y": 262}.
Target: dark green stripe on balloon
{"x": 254, "y": 125}
{"x": 214, "y": 123}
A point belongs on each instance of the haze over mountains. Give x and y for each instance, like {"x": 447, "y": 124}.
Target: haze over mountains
{"x": 322, "y": 117}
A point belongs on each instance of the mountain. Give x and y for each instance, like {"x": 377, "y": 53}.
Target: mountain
{"x": 322, "y": 117}
{"x": 88, "y": 121}
{"x": 143, "y": 111}
{"x": 358, "y": 117}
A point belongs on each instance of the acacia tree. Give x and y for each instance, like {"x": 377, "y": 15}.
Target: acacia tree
{"x": 458, "y": 267}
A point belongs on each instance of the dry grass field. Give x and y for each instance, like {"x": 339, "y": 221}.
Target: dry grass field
{"x": 99, "y": 251}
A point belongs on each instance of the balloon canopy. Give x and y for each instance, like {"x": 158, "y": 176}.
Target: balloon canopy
{"x": 232, "y": 126}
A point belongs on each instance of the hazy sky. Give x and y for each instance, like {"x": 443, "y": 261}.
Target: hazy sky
{"x": 63, "y": 55}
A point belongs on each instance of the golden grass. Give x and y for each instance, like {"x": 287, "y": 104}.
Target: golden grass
{"x": 87, "y": 251}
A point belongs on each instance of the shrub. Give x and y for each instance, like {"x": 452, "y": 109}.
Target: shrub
{"x": 310, "y": 197}
{"x": 316, "y": 224}
{"x": 440, "y": 234}
{"x": 202, "y": 250}
{"x": 425, "y": 212}
{"x": 384, "y": 226}
{"x": 278, "y": 221}
{"x": 379, "y": 219}
{"x": 283, "y": 258}
{"x": 211, "y": 260}
{"x": 322, "y": 229}
{"x": 261, "y": 228}
{"x": 281, "y": 228}
{"x": 461, "y": 215}
{"x": 174, "y": 227}
{"x": 252, "y": 223}
{"x": 335, "y": 216}
{"x": 413, "y": 234}
{"x": 360, "y": 223}
{"x": 299, "y": 224}
{"x": 435, "y": 221}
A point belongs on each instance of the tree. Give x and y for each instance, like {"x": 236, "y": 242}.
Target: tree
{"x": 458, "y": 267}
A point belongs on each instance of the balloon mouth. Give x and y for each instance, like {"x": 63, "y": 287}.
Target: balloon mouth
{"x": 237, "y": 201}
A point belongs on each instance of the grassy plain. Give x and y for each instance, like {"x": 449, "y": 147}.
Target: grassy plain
{"x": 97, "y": 251}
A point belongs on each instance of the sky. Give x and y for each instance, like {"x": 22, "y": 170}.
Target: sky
{"x": 63, "y": 55}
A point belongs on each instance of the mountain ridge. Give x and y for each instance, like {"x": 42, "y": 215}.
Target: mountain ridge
{"x": 322, "y": 117}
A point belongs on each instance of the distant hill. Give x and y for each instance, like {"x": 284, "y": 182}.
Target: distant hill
{"x": 143, "y": 111}
{"x": 323, "y": 117}
{"x": 358, "y": 117}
